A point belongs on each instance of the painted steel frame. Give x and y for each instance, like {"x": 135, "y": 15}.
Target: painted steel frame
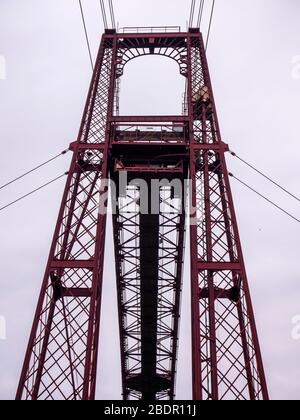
{"x": 61, "y": 358}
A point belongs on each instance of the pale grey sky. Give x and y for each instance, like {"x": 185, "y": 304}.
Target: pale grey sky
{"x": 257, "y": 89}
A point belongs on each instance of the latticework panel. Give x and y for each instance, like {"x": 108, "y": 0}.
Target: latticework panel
{"x": 226, "y": 354}
{"x": 128, "y": 257}
{"x": 61, "y": 358}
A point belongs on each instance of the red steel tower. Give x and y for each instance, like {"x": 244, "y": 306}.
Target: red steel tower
{"x": 139, "y": 153}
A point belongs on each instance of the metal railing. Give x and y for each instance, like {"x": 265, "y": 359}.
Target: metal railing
{"x": 153, "y": 29}
{"x": 124, "y": 133}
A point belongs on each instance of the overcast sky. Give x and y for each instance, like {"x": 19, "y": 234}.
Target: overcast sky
{"x": 257, "y": 87}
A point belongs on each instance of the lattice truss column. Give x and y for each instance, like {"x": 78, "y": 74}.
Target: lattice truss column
{"x": 226, "y": 356}
{"x": 62, "y": 353}
{"x": 149, "y": 292}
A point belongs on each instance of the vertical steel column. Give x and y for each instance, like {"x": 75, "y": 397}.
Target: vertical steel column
{"x": 61, "y": 357}
{"x": 227, "y": 362}
{"x": 195, "y": 315}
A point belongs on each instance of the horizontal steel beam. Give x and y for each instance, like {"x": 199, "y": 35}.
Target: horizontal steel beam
{"x": 86, "y": 146}
{"x": 214, "y": 146}
{"x": 218, "y": 266}
{"x": 150, "y": 118}
{"x": 148, "y": 143}
{"x": 76, "y": 292}
{"x": 154, "y": 35}
{"x": 73, "y": 264}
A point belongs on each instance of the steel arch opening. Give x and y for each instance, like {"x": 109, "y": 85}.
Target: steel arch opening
{"x": 161, "y": 93}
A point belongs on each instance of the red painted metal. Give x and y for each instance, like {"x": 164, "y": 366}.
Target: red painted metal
{"x": 61, "y": 359}
{"x": 227, "y": 362}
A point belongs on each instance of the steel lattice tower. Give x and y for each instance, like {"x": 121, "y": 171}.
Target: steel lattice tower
{"x": 61, "y": 359}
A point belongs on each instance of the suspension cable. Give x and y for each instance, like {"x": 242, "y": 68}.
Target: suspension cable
{"x": 33, "y": 191}
{"x": 33, "y": 169}
{"x": 112, "y": 14}
{"x": 192, "y": 12}
{"x": 200, "y": 14}
{"x": 104, "y": 17}
{"x": 265, "y": 198}
{"x": 265, "y": 176}
{"x": 210, "y": 23}
{"x": 86, "y": 35}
